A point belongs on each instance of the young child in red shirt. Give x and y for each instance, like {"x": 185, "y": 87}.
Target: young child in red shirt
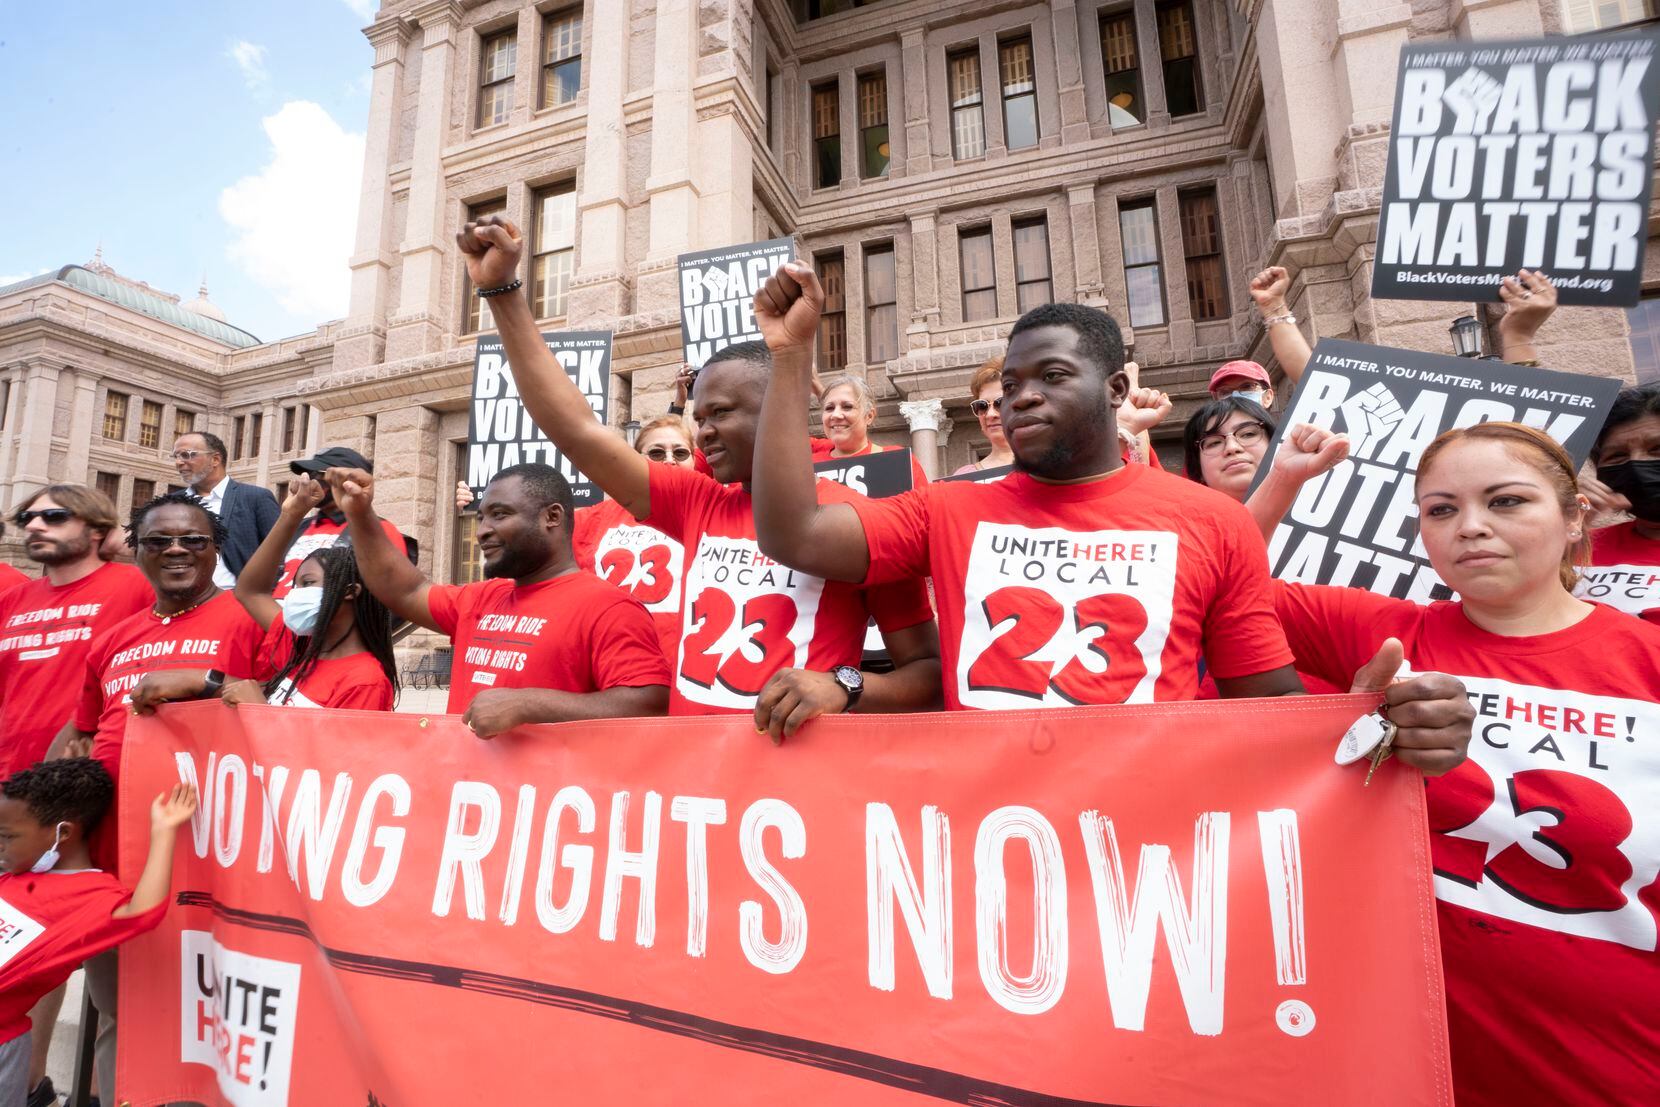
{"x": 56, "y": 910}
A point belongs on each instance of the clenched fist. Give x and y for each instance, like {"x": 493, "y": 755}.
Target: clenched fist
{"x": 491, "y": 249}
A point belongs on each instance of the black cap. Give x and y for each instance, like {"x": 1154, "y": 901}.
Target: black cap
{"x": 342, "y": 457}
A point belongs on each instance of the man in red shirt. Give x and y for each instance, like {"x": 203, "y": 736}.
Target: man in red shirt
{"x": 324, "y": 526}
{"x": 757, "y": 637}
{"x": 540, "y": 641}
{"x": 1075, "y": 580}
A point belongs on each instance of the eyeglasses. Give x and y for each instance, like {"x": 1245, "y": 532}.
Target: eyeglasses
{"x": 53, "y": 516}
{"x": 161, "y": 543}
{"x": 980, "y": 407}
{"x": 1246, "y": 434}
{"x": 663, "y": 453}
{"x": 187, "y": 455}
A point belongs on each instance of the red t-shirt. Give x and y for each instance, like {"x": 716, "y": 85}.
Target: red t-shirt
{"x": 45, "y": 633}
{"x": 356, "y": 681}
{"x": 1624, "y": 571}
{"x": 1105, "y": 592}
{"x": 321, "y": 533}
{"x": 1546, "y": 841}
{"x": 12, "y": 577}
{"x": 573, "y": 633}
{"x": 641, "y": 560}
{"x": 51, "y": 922}
{"x": 745, "y": 616}
{"x": 217, "y": 635}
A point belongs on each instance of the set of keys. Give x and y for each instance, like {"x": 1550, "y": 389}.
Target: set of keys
{"x": 1371, "y": 737}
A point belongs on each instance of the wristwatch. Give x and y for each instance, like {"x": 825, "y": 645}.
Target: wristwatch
{"x": 215, "y": 681}
{"x": 851, "y": 681}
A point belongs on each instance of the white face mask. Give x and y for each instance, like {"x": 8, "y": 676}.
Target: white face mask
{"x": 49, "y": 860}
{"x": 300, "y": 609}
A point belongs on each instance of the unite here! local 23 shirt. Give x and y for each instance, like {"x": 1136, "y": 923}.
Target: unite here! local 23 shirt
{"x": 745, "y": 616}
{"x": 51, "y": 922}
{"x": 1105, "y": 592}
{"x": 1624, "y": 572}
{"x": 1545, "y": 842}
{"x": 574, "y": 633}
{"x": 641, "y": 560}
{"x": 45, "y": 633}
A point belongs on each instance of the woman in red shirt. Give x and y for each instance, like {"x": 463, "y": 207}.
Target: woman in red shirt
{"x": 848, "y": 409}
{"x": 328, "y": 641}
{"x": 1546, "y": 841}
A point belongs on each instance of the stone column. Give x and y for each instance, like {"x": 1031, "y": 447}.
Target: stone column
{"x": 1086, "y": 245}
{"x": 406, "y": 455}
{"x": 270, "y": 442}
{"x": 1178, "y": 313}
{"x": 919, "y": 146}
{"x": 78, "y": 465}
{"x": 371, "y": 260}
{"x": 416, "y": 327}
{"x": 1069, "y": 71}
{"x": 930, "y": 430}
{"x": 599, "y": 288}
{"x": 925, "y": 295}
{"x": 1302, "y": 106}
{"x": 1152, "y": 69}
{"x": 673, "y": 196}
{"x": 34, "y": 441}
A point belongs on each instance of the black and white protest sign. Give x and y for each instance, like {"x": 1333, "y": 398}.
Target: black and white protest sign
{"x": 1533, "y": 154}
{"x": 1358, "y": 524}
{"x": 500, "y": 431}
{"x": 876, "y": 475}
{"x": 982, "y": 476}
{"x": 717, "y": 294}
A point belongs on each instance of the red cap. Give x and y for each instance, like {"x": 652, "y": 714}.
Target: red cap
{"x": 1247, "y": 370}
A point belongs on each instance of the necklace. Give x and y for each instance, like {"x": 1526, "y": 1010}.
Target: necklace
{"x": 165, "y": 619}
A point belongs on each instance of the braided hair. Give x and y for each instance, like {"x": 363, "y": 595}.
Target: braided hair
{"x": 371, "y": 618}
{"x": 71, "y": 789}
{"x": 216, "y": 525}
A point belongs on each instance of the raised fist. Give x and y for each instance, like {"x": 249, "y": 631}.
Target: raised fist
{"x": 787, "y": 308}
{"x": 491, "y": 249}
{"x": 1268, "y": 289}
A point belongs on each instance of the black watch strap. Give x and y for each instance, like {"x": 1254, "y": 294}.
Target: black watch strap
{"x": 851, "y": 681}
{"x": 215, "y": 681}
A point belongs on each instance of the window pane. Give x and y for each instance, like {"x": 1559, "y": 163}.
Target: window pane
{"x": 561, "y": 82}
{"x": 873, "y": 125}
{"x": 964, "y": 72}
{"x": 115, "y": 415}
{"x": 555, "y": 218}
{"x": 1204, "y": 288}
{"x": 832, "y": 328}
{"x": 1179, "y": 51}
{"x": 968, "y": 132}
{"x": 143, "y": 492}
{"x": 827, "y": 146}
{"x": 184, "y": 422}
{"x": 1121, "y": 62}
{"x": 238, "y": 425}
{"x": 493, "y": 104}
{"x": 826, "y": 112}
{"x": 551, "y": 281}
{"x": 1145, "y": 295}
{"x": 287, "y": 429}
{"x": 1140, "y": 234}
{"x": 110, "y": 485}
{"x": 879, "y": 276}
{"x": 256, "y": 428}
{"x": 1031, "y": 294}
{"x": 979, "y": 270}
{"x": 1031, "y": 250}
{"x": 1202, "y": 246}
{"x": 883, "y": 334}
{"x": 500, "y": 52}
{"x": 1015, "y": 63}
{"x": 149, "y": 425}
{"x": 1198, "y": 219}
{"x": 882, "y": 315}
{"x": 979, "y": 305}
{"x": 563, "y": 37}
{"x": 1020, "y": 121}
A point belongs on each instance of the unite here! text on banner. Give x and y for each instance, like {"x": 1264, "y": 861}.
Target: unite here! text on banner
{"x": 1533, "y": 154}
{"x": 997, "y": 908}
{"x": 1357, "y": 525}
{"x": 500, "y": 431}
{"x": 717, "y": 294}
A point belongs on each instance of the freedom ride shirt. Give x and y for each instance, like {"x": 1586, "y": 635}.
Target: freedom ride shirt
{"x": 1105, "y": 592}
{"x": 745, "y": 616}
{"x": 1545, "y": 842}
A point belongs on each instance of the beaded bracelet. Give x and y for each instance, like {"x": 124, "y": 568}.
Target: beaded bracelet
{"x": 486, "y": 293}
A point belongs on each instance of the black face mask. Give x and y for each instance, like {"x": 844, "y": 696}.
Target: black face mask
{"x": 1637, "y": 481}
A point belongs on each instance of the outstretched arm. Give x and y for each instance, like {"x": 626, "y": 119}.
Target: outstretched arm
{"x": 385, "y": 569}
{"x": 171, "y": 810}
{"x": 1304, "y": 453}
{"x": 259, "y": 576}
{"x": 791, "y": 525}
{"x": 1268, "y": 290}
{"x": 491, "y": 248}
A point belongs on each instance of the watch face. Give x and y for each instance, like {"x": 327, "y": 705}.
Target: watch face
{"x": 849, "y": 677}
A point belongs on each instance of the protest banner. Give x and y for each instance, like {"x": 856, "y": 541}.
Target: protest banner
{"x": 986, "y": 908}
{"x": 877, "y": 475}
{"x": 983, "y": 476}
{"x": 500, "y": 431}
{"x": 717, "y": 294}
{"x": 1532, "y": 154}
{"x": 1358, "y": 524}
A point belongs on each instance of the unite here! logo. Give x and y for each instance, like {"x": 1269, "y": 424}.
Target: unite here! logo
{"x": 237, "y": 1016}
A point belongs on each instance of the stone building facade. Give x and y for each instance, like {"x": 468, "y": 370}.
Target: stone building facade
{"x": 944, "y": 163}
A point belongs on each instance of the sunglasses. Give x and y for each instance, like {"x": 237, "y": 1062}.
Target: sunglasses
{"x": 161, "y": 543}
{"x": 54, "y": 516}
{"x": 980, "y": 407}
{"x": 663, "y": 453}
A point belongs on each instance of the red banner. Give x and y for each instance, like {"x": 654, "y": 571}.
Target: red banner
{"x": 1170, "y": 904}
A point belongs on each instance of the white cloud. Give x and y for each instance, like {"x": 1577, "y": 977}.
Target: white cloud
{"x": 15, "y": 277}
{"x": 363, "y": 9}
{"x": 251, "y": 60}
{"x": 295, "y": 219}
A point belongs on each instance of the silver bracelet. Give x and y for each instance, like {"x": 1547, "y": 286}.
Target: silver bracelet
{"x": 1270, "y": 320}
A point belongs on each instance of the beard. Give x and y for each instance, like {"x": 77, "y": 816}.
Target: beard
{"x": 516, "y": 561}
{"x": 58, "y": 551}
{"x": 1066, "y": 445}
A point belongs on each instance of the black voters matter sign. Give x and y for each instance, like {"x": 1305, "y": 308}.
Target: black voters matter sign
{"x": 717, "y": 293}
{"x": 1533, "y": 154}
{"x": 500, "y": 431}
{"x": 876, "y": 475}
{"x": 1358, "y": 524}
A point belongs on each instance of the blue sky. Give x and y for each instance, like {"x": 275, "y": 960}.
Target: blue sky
{"x": 188, "y": 138}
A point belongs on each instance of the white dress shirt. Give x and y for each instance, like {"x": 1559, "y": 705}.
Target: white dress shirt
{"x": 222, "y": 576}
